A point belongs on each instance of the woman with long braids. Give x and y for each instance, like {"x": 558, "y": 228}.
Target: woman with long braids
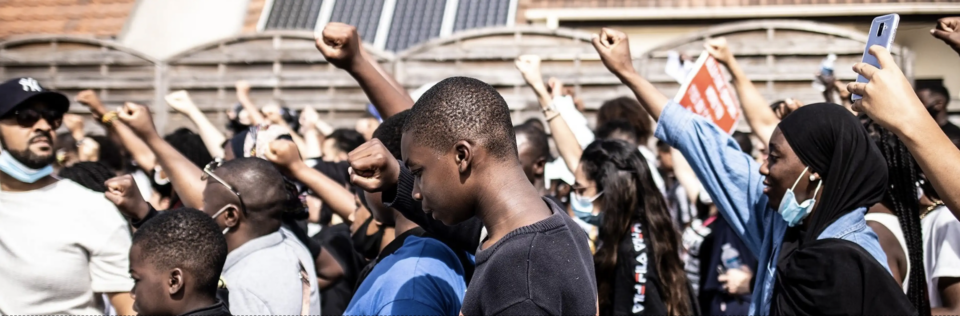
{"x": 638, "y": 253}
{"x": 801, "y": 212}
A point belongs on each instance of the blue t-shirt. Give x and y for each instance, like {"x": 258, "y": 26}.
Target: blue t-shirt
{"x": 423, "y": 277}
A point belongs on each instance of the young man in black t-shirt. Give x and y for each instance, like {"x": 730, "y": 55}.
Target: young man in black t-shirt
{"x": 460, "y": 155}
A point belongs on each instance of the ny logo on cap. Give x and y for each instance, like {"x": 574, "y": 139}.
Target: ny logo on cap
{"x": 30, "y": 84}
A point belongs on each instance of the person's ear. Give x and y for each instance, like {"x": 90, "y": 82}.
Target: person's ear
{"x": 539, "y": 166}
{"x": 175, "y": 281}
{"x": 463, "y": 155}
{"x": 232, "y": 216}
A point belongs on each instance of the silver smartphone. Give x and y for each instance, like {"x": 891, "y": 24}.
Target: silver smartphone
{"x": 882, "y": 32}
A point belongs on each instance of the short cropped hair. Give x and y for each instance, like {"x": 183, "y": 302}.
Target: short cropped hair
{"x": 347, "y": 139}
{"x": 188, "y": 239}
{"x": 461, "y": 108}
{"x": 390, "y": 132}
{"x": 536, "y": 137}
{"x": 618, "y": 126}
{"x": 938, "y": 89}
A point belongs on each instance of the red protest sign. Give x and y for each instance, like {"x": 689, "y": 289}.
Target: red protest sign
{"x": 707, "y": 93}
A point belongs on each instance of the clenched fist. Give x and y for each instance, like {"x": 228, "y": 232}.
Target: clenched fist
{"x": 948, "y": 31}
{"x": 614, "y": 50}
{"x": 89, "y": 99}
{"x": 123, "y": 192}
{"x": 180, "y": 101}
{"x": 529, "y": 66}
{"x": 285, "y": 155}
{"x": 373, "y": 168}
{"x": 340, "y": 45}
{"x": 243, "y": 87}
{"x": 137, "y": 117}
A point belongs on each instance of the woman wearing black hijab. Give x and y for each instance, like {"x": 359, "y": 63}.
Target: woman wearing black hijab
{"x": 801, "y": 213}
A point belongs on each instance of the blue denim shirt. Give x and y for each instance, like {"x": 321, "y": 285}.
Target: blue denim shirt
{"x": 735, "y": 184}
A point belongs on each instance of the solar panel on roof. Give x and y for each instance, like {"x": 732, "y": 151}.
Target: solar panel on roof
{"x": 363, "y": 14}
{"x": 414, "y": 22}
{"x": 473, "y": 14}
{"x": 293, "y": 15}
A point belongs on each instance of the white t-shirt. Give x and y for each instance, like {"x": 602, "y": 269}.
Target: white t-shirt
{"x": 60, "y": 245}
{"x": 941, "y": 249}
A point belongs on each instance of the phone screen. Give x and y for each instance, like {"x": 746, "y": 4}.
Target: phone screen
{"x": 882, "y": 32}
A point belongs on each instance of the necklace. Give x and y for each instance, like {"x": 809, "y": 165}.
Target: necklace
{"x": 936, "y": 204}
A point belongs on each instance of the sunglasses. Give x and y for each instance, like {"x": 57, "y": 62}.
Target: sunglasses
{"x": 27, "y": 117}
{"x": 208, "y": 174}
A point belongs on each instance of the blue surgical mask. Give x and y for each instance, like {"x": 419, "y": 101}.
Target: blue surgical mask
{"x": 583, "y": 208}
{"x": 17, "y": 170}
{"x": 794, "y": 212}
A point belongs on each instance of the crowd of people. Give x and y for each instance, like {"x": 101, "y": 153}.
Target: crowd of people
{"x": 441, "y": 205}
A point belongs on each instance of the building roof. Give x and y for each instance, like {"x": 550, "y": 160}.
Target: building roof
{"x": 100, "y": 18}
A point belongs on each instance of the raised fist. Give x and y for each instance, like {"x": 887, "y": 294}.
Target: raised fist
{"x": 529, "y": 66}
{"x": 614, "y": 50}
{"x": 373, "y": 168}
{"x": 123, "y": 192}
{"x": 73, "y": 122}
{"x": 180, "y": 101}
{"x": 89, "y": 99}
{"x": 948, "y": 31}
{"x": 243, "y": 87}
{"x": 340, "y": 45}
{"x": 137, "y": 117}
{"x": 308, "y": 118}
{"x": 285, "y": 155}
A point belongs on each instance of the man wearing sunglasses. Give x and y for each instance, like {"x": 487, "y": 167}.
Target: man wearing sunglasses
{"x": 62, "y": 244}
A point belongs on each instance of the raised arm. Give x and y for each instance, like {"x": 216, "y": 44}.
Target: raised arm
{"x": 243, "y": 95}
{"x": 139, "y": 150}
{"x": 312, "y": 136}
{"x": 386, "y": 75}
{"x": 757, "y": 111}
{"x": 891, "y": 102}
{"x": 183, "y": 174}
{"x": 731, "y": 177}
{"x": 286, "y": 157}
{"x": 567, "y": 145}
{"x": 685, "y": 175}
{"x": 614, "y": 50}
{"x": 340, "y": 45}
{"x": 948, "y": 31}
{"x": 212, "y": 137}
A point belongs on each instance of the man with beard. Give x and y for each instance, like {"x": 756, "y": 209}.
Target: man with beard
{"x": 62, "y": 244}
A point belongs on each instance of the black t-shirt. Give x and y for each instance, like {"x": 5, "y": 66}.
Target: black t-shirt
{"x": 636, "y": 285}
{"x": 953, "y": 132}
{"x": 542, "y": 269}
{"x": 712, "y": 294}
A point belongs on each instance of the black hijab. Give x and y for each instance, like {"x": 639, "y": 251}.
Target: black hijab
{"x": 834, "y": 276}
{"x": 833, "y": 143}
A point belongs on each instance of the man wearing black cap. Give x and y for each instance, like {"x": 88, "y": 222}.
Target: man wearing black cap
{"x": 61, "y": 244}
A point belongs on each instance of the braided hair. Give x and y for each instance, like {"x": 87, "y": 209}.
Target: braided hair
{"x": 901, "y": 195}
{"x": 90, "y": 174}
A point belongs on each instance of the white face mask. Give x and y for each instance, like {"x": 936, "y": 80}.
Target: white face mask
{"x": 217, "y": 214}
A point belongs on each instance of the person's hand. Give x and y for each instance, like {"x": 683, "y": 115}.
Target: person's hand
{"x": 373, "y": 168}
{"x": 718, "y": 48}
{"x": 948, "y": 31}
{"x": 88, "y": 150}
{"x": 73, "y": 122}
{"x": 556, "y": 87}
{"x": 888, "y": 97}
{"x": 123, "y": 192}
{"x": 614, "y": 50}
{"x": 340, "y": 45}
{"x": 137, "y": 117}
{"x": 308, "y": 118}
{"x": 828, "y": 81}
{"x": 736, "y": 281}
{"x": 243, "y": 88}
{"x": 529, "y": 67}
{"x": 89, "y": 99}
{"x": 285, "y": 155}
{"x": 180, "y": 101}
{"x": 787, "y": 107}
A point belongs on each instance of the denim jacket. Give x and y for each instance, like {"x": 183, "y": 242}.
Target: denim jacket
{"x": 735, "y": 184}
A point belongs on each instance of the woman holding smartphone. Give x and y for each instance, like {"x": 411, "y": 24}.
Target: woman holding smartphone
{"x": 801, "y": 212}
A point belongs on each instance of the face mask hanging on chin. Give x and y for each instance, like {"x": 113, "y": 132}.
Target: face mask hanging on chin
{"x": 17, "y": 170}
{"x": 794, "y": 212}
